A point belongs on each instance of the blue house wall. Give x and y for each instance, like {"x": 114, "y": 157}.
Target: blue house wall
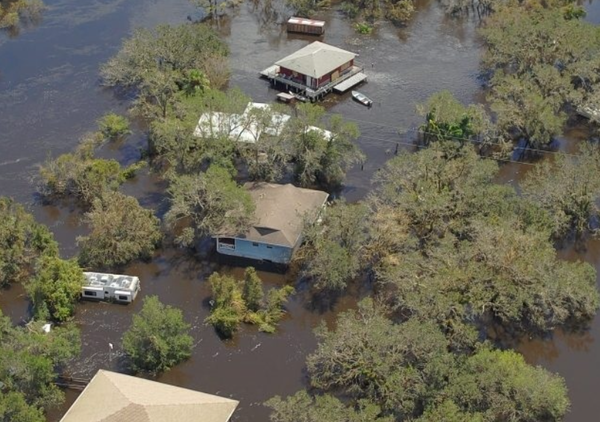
{"x": 256, "y": 250}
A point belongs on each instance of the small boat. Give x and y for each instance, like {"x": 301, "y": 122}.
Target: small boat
{"x": 361, "y": 98}
{"x": 299, "y": 97}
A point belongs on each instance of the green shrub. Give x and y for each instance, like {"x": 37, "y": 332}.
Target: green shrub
{"x": 363, "y": 28}
{"x": 113, "y": 126}
{"x": 56, "y": 288}
{"x": 235, "y": 302}
{"x": 158, "y": 338}
{"x": 121, "y": 231}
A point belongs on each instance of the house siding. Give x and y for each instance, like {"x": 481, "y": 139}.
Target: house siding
{"x": 316, "y": 83}
{"x": 294, "y": 76}
{"x": 260, "y": 251}
{"x": 308, "y": 27}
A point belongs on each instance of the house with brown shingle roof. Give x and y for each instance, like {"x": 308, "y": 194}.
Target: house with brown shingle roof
{"x": 113, "y": 397}
{"x": 281, "y": 213}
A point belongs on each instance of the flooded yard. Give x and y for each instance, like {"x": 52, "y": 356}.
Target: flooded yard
{"x": 50, "y": 96}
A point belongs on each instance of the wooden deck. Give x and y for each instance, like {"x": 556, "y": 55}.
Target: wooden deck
{"x": 350, "y": 82}
{"x": 272, "y": 73}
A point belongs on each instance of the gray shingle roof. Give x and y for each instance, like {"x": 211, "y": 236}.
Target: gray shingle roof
{"x": 316, "y": 59}
{"x": 281, "y": 211}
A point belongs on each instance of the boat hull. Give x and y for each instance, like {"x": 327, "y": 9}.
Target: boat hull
{"x": 361, "y": 98}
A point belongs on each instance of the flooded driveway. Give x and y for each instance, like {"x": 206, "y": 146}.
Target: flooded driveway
{"x": 49, "y": 97}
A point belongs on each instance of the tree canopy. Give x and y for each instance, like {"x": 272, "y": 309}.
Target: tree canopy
{"x": 541, "y": 59}
{"x": 320, "y": 158}
{"x": 568, "y": 188}
{"x": 158, "y": 338}
{"x": 166, "y": 48}
{"x": 113, "y": 126}
{"x": 162, "y": 62}
{"x": 55, "y": 289}
{"x": 301, "y": 407}
{"x": 81, "y": 175}
{"x": 208, "y": 203}
{"x": 234, "y": 302}
{"x": 334, "y": 248}
{"x": 446, "y": 244}
{"x": 23, "y": 242}
{"x": 446, "y": 119}
{"x": 405, "y": 371}
{"x": 121, "y": 231}
{"x": 15, "y": 12}
{"x": 27, "y": 368}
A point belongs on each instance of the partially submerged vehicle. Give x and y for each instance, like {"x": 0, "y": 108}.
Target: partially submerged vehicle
{"x": 117, "y": 287}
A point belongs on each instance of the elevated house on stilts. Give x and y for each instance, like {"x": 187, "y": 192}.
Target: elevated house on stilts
{"x": 316, "y": 70}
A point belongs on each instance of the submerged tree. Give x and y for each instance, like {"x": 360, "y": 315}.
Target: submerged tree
{"x": 506, "y": 272}
{"x": 321, "y": 154}
{"x": 525, "y": 112}
{"x": 121, "y": 231}
{"x": 307, "y": 8}
{"x": 369, "y": 357}
{"x": 28, "y": 365}
{"x": 569, "y": 189}
{"x": 333, "y": 248}
{"x": 446, "y": 119}
{"x": 158, "y": 338}
{"x": 214, "y": 9}
{"x": 210, "y": 203}
{"x": 228, "y": 307}
{"x": 484, "y": 251}
{"x": 160, "y": 63}
{"x": 113, "y": 126}
{"x": 397, "y": 11}
{"x": 406, "y": 372}
{"x": 301, "y": 407}
{"x": 55, "y": 289}
{"x": 81, "y": 175}
{"x": 23, "y": 242}
{"x": 234, "y": 302}
{"x": 541, "y": 61}
{"x": 15, "y": 12}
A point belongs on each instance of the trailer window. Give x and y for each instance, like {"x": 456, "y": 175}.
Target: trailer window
{"x": 227, "y": 243}
{"x": 87, "y": 293}
{"x": 123, "y": 298}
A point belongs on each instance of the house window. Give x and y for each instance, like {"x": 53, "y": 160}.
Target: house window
{"x": 227, "y": 243}
{"x": 123, "y": 298}
{"x": 254, "y": 244}
{"x": 87, "y": 293}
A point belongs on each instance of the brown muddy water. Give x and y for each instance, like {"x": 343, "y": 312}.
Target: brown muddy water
{"x": 49, "y": 97}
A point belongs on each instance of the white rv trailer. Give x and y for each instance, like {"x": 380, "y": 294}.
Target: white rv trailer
{"x": 120, "y": 288}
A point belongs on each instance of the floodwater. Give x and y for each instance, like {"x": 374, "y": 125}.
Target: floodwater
{"x": 49, "y": 97}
